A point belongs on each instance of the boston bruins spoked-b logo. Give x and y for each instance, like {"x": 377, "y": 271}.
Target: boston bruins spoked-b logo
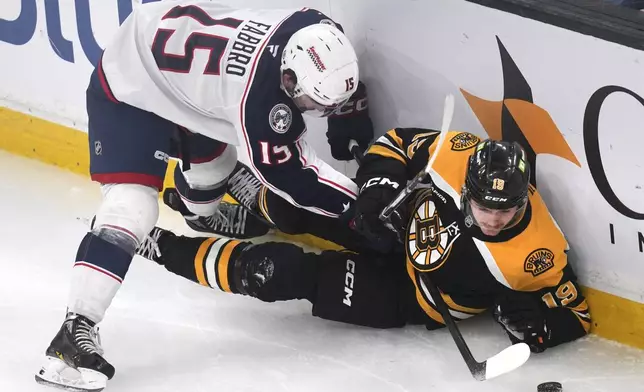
{"x": 429, "y": 242}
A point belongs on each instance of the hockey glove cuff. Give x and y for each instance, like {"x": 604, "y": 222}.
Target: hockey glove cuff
{"x": 524, "y": 319}
{"x": 375, "y": 194}
{"x": 351, "y": 121}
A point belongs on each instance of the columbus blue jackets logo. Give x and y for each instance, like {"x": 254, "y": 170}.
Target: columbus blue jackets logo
{"x": 280, "y": 118}
{"x": 539, "y": 261}
{"x": 429, "y": 241}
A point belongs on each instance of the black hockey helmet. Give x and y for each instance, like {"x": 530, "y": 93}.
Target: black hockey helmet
{"x": 497, "y": 177}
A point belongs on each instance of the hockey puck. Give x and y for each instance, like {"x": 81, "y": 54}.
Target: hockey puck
{"x": 551, "y": 386}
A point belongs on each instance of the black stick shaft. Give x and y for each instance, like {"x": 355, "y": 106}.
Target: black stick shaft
{"x": 477, "y": 369}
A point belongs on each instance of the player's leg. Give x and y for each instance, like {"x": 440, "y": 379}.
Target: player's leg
{"x": 342, "y": 286}
{"x": 128, "y": 155}
{"x": 271, "y": 271}
{"x": 359, "y": 290}
{"x": 293, "y": 220}
{"x": 202, "y": 173}
{"x": 201, "y": 181}
{"x": 249, "y": 192}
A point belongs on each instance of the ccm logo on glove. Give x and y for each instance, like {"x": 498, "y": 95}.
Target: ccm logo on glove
{"x": 379, "y": 181}
{"x": 353, "y": 105}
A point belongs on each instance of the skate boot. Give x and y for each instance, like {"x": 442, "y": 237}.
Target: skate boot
{"x": 73, "y": 360}
{"x": 244, "y": 188}
{"x": 230, "y": 220}
{"x": 149, "y": 248}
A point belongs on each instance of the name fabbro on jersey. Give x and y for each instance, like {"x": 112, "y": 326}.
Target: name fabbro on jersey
{"x": 245, "y": 46}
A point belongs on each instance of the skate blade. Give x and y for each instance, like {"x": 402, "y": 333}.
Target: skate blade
{"x": 56, "y": 373}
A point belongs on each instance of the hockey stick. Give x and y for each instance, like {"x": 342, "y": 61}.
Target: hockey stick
{"x": 510, "y": 358}
{"x": 356, "y": 151}
{"x": 421, "y": 177}
{"x": 507, "y": 360}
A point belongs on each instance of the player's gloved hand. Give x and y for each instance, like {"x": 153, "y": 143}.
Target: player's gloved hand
{"x": 375, "y": 195}
{"x": 524, "y": 319}
{"x": 351, "y": 121}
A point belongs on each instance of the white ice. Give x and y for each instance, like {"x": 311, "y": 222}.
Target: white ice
{"x": 164, "y": 333}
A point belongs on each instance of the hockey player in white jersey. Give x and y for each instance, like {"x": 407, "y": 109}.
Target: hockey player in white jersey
{"x": 192, "y": 80}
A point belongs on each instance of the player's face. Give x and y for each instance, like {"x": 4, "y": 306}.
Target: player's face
{"x": 305, "y": 103}
{"x": 308, "y": 105}
{"x": 491, "y": 221}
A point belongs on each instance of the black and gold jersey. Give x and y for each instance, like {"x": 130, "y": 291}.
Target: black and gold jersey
{"x": 472, "y": 269}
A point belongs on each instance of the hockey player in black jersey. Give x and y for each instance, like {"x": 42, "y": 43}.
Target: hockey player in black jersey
{"x": 484, "y": 234}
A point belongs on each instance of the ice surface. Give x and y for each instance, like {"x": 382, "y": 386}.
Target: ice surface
{"x": 163, "y": 333}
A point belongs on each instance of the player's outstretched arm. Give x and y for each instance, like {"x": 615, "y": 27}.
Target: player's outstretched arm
{"x": 546, "y": 318}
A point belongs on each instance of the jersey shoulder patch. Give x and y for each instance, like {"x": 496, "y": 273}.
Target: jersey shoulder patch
{"x": 464, "y": 141}
{"x": 280, "y": 118}
{"x": 539, "y": 261}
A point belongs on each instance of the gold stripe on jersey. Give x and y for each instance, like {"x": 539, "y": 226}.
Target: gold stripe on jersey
{"x": 263, "y": 205}
{"x": 395, "y": 138}
{"x": 582, "y": 314}
{"x": 424, "y": 303}
{"x": 385, "y": 152}
{"x": 451, "y": 164}
{"x": 200, "y": 261}
{"x": 535, "y": 258}
{"x": 392, "y": 140}
{"x": 453, "y": 305}
{"x": 418, "y": 140}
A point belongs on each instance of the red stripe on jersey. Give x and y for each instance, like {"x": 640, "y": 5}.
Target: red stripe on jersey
{"x": 99, "y": 269}
{"x": 322, "y": 179}
{"x": 129, "y": 178}
{"x": 103, "y": 81}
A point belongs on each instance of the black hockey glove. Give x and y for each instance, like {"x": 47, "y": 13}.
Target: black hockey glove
{"x": 375, "y": 195}
{"x": 351, "y": 121}
{"x": 524, "y": 319}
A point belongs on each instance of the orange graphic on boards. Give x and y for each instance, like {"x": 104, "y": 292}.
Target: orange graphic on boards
{"x": 517, "y": 118}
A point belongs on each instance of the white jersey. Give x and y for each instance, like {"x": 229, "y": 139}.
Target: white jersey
{"x": 215, "y": 71}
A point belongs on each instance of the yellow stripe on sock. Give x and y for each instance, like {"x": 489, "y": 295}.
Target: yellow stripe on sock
{"x": 223, "y": 263}
{"x": 199, "y": 260}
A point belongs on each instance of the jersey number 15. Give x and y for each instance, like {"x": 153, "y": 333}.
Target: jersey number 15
{"x": 214, "y": 43}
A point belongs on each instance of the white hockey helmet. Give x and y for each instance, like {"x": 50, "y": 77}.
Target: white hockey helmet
{"x": 325, "y": 66}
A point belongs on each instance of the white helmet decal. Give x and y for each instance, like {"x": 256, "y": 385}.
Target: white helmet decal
{"x": 324, "y": 63}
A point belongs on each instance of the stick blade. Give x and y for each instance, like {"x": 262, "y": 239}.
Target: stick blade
{"x": 507, "y": 360}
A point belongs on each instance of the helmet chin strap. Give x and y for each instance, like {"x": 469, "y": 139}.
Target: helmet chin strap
{"x": 470, "y": 221}
{"x": 517, "y": 217}
{"x": 297, "y": 92}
